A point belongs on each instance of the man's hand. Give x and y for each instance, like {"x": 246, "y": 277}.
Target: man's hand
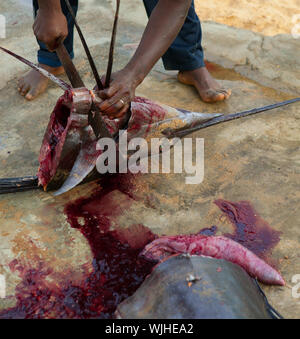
{"x": 50, "y": 27}
{"x": 164, "y": 24}
{"x": 120, "y": 93}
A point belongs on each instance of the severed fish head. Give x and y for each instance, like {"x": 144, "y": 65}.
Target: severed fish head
{"x": 69, "y": 150}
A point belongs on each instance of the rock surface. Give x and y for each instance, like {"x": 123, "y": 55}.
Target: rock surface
{"x": 270, "y": 60}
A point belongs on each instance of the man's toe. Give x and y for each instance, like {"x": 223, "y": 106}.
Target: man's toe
{"x": 25, "y": 89}
{"x": 32, "y": 94}
{"x": 227, "y": 92}
{"x": 211, "y": 96}
{"x": 20, "y": 84}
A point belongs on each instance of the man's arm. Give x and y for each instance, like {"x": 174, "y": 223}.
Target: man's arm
{"x": 50, "y": 25}
{"x": 164, "y": 24}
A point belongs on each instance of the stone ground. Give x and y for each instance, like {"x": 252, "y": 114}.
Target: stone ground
{"x": 262, "y": 16}
{"x": 255, "y": 159}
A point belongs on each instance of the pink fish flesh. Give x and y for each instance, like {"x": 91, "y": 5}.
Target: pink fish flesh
{"x": 218, "y": 247}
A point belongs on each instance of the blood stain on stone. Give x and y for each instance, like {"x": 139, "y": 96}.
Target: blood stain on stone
{"x": 250, "y": 230}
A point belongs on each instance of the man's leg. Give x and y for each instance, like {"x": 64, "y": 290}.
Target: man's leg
{"x": 33, "y": 83}
{"x": 186, "y": 55}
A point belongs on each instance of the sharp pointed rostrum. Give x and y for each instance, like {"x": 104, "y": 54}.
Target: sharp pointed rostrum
{"x": 229, "y": 117}
{"x": 62, "y": 84}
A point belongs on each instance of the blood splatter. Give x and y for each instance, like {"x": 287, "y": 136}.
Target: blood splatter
{"x": 117, "y": 268}
{"x": 251, "y": 230}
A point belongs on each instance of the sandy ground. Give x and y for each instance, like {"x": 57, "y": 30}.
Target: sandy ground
{"x": 262, "y": 16}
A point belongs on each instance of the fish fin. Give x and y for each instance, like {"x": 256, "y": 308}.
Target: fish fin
{"x": 273, "y": 313}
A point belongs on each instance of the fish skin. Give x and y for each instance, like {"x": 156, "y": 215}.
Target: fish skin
{"x": 218, "y": 247}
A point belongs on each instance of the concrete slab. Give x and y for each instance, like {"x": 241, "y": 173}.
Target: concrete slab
{"x": 255, "y": 159}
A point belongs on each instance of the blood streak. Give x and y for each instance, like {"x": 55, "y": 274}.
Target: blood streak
{"x": 251, "y": 230}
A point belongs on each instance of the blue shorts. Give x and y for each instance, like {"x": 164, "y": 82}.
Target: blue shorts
{"x": 185, "y": 53}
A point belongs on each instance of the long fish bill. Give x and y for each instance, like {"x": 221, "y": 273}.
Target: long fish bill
{"x": 62, "y": 84}
{"x": 11, "y": 185}
{"x": 229, "y": 117}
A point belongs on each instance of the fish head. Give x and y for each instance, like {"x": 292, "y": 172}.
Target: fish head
{"x": 150, "y": 119}
{"x": 73, "y": 155}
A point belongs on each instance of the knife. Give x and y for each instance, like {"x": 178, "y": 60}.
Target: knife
{"x": 94, "y": 116}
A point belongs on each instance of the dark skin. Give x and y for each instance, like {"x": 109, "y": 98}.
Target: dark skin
{"x": 164, "y": 24}
{"x": 168, "y": 17}
{"x": 50, "y": 26}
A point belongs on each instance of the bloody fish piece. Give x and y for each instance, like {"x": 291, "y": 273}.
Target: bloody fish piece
{"x": 63, "y": 139}
{"x": 218, "y": 247}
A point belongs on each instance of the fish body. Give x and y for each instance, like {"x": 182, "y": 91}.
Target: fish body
{"x": 197, "y": 287}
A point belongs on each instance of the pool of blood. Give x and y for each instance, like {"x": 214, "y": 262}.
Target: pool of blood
{"x": 250, "y": 230}
{"x": 117, "y": 268}
{"x": 117, "y": 272}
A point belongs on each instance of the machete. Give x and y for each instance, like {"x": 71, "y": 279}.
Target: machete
{"x": 95, "y": 119}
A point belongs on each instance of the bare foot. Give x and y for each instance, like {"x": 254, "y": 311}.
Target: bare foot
{"x": 207, "y": 87}
{"x": 33, "y": 83}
